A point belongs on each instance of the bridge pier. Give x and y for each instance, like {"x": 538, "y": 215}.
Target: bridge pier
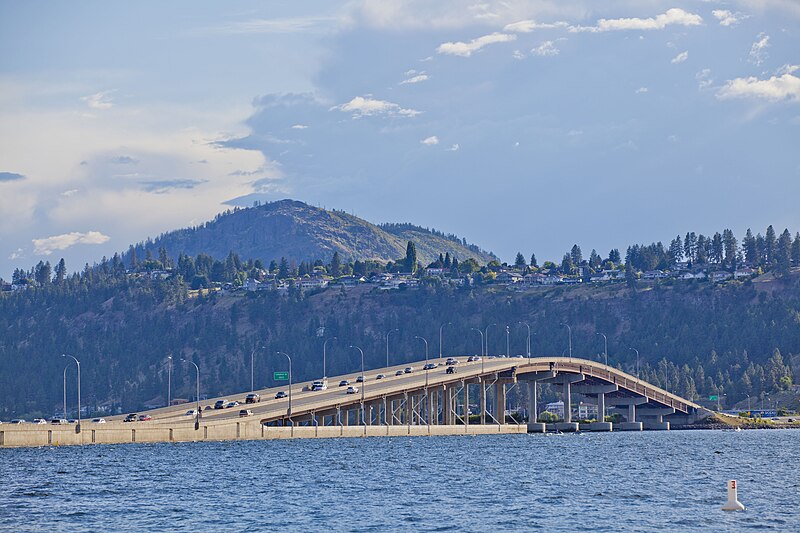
{"x": 465, "y": 410}
{"x": 482, "y": 399}
{"x": 566, "y": 380}
{"x": 533, "y": 398}
{"x": 630, "y": 424}
{"x": 654, "y": 418}
{"x": 500, "y": 402}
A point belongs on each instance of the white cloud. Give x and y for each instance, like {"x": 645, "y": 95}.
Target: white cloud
{"x": 642, "y": 90}
{"x": 467, "y": 49}
{"x": 362, "y": 106}
{"x": 680, "y": 58}
{"x": 430, "y": 141}
{"x": 728, "y": 18}
{"x": 454, "y": 148}
{"x": 546, "y": 49}
{"x": 788, "y": 69}
{"x": 704, "y": 79}
{"x": 16, "y": 254}
{"x": 275, "y": 26}
{"x": 415, "y": 79}
{"x": 48, "y": 245}
{"x": 518, "y": 55}
{"x": 299, "y": 127}
{"x": 101, "y": 100}
{"x": 674, "y": 16}
{"x": 527, "y": 26}
{"x": 774, "y": 89}
{"x": 758, "y": 52}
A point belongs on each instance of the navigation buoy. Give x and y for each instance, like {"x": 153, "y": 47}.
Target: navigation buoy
{"x": 733, "y": 503}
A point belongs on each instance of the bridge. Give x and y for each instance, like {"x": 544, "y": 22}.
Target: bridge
{"x": 421, "y": 402}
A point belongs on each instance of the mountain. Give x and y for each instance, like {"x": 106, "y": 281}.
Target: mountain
{"x": 300, "y": 232}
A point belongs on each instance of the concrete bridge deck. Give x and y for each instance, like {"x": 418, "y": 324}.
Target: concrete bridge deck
{"x": 419, "y": 403}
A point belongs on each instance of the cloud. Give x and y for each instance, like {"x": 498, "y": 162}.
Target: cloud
{"x": 467, "y": 49}
{"x": 415, "y": 79}
{"x": 758, "y": 52}
{"x": 69, "y": 193}
{"x": 546, "y": 49}
{"x": 363, "y": 106}
{"x": 642, "y": 90}
{"x": 788, "y": 69}
{"x": 276, "y": 26}
{"x": 774, "y": 89}
{"x": 527, "y": 26}
{"x": 299, "y": 127}
{"x": 163, "y": 186}
{"x": 430, "y": 141}
{"x": 10, "y": 176}
{"x": 454, "y": 148}
{"x": 16, "y": 254}
{"x": 124, "y": 160}
{"x": 704, "y": 79}
{"x": 674, "y": 16}
{"x": 100, "y": 100}
{"x": 727, "y": 18}
{"x": 680, "y": 58}
{"x": 48, "y": 245}
{"x": 518, "y": 55}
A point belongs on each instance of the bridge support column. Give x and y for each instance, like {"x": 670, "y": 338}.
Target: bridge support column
{"x": 500, "y": 402}
{"x": 465, "y": 410}
{"x": 631, "y": 402}
{"x": 483, "y": 399}
{"x": 407, "y": 409}
{"x": 447, "y": 408}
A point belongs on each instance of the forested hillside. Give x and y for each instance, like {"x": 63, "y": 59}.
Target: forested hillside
{"x": 697, "y": 339}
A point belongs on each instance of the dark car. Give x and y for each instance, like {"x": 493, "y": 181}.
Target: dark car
{"x": 281, "y": 394}
{"x": 131, "y": 417}
{"x": 252, "y": 398}
{"x": 429, "y": 366}
{"x": 145, "y": 418}
{"x": 451, "y": 370}
{"x": 344, "y": 383}
{"x": 220, "y": 404}
{"x": 360, "y": 379}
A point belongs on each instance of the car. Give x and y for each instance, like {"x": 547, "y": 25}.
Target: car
{"x": 131, "y": 417}
{"x": 399, "y": 373}
{"x": 473, "y": 358}
{"x": 429, "y": 366}
{"x": 360, "y": 379}
{"x": 98, "y": 420}
{"x": 344, "y": 383}
{"x": 380, "y": 376}
{"x": 58, "y": 421}
{"x": 231, "y": 404}
{"x": 252, "y": 398}
{"x": 451, "y": 370}
{"x": 72, "y": 421}
{"x": 320, "y": 384}
{"x": 207, "y": 408}
{"x": 519, "y": 356}
{"x": 451, "y": 362}
{"x": 281, "y": 394}
{"x": 144, "y": 418}
{"x": 39, "y": 421}
{"x": 352, "y": 390}
{"x": 191, "y": 412}
{"x": 18, "y": 421}
{"x": 408, "y": 370}
{"x": 245, "y": 412}
{"x": 220, "y": 404}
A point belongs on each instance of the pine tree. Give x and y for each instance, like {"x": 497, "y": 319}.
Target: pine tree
{"x": 796, "y": 249}
{"x": 701, "y": 251}
{"x": 594, "y": 259}
{"x": 690, "y": 246}
{"x": 783, "y": 252}
{"x": 519, "y": 262}
{"x": 411, "y": 258}
{"x": 614, "y": 256}
{"x": 770, "y": 242}
{"x": 533, "y": 261}
{"x": 675, "y": 251}
{"x": 749, "y": 247}
{"x": 447, "y": 261}
{"x": 566, "y": 264}
{"x": 716, "y": 248}
{"x": 729, "y": 245}
{"x": 576, "y": 255}
{"x": 61, "y": 272}
{"x": 283, "y": 269}
{"x": 336, "y": 265}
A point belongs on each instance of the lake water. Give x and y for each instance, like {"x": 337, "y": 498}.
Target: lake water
{"x": 670, "y": 481}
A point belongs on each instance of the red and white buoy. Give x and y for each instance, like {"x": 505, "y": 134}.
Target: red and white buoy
{"x": 733, "y": 503}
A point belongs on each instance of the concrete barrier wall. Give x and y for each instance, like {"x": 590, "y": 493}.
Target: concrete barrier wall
{"x": 120, "y": 433}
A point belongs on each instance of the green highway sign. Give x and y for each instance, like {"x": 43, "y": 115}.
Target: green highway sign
{"x": 713, "y": 398}
{"x": 280, "y": 376}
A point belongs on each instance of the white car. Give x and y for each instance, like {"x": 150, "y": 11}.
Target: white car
{"x": 231, "y": 404}
{"x": 39, "y": 421}
{"x": 98, "y": 420}
{"x": 352, "y": 390}
{"x": 191, "y": 412}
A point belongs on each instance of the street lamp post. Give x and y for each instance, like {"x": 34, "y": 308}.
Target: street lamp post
{"x": 197, "y": 394}
{"x": 363, "y": 417}
{"x": 387, "y": 344}
{"x": 508, "y": 343}
{"x": 427, "y": 401}
{"x": 440, "y": 337}
{"x": 324, "y": 357}
{"x": 637, "y": 361}
{"x": 570, "y": 338}
{"x": 481, "y": 334}
{"x": 528, "y": 340}
{"x": 253, "y": 366}
{"x": 169, "y": 380}
{"x": 65, "y": 391}
{"x": 486, "y": 332}
{"x": 78, "y": 428}
{"x": 605, "y": 346}
{"x": 289, "y": 410}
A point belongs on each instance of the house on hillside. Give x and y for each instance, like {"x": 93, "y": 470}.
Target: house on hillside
{"x": 692, "y": 275}
{"x": 720, "y": 275}
{"x": 435, "y": 272}
{"x": 654, "y": 274}
{"x": 745, "y": 272}
{"x": 316, "y": 282}
{"x": 506, "y": 277}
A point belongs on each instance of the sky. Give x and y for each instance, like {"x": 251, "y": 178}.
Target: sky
{"x": 523, "y": 125}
